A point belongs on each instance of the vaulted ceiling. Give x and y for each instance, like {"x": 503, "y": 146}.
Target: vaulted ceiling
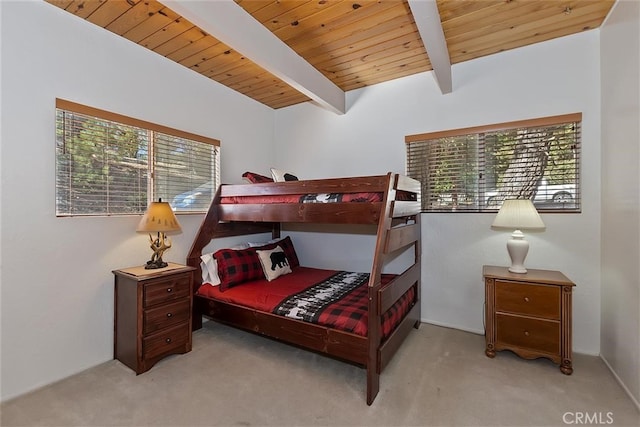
{"x": 284, "y": 52}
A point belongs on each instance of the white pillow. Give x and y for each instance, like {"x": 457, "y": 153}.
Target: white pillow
{"x": 241, "y": 246}
{"x": 274, "y": 263}
{"x": 282, "y": 176}
{"x": 277, "y": 175}
{"x": 209, "y": 265}
{"x": 209, "y": 268}
{"x": 256, "y": 244}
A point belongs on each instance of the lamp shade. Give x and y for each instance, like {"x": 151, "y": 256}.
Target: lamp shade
{"x": 159, "y": 217}
{"x": 518, "y": 214}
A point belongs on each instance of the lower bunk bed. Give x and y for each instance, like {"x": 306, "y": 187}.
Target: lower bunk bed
{"x": 322, "y": 300}
{"x": 358, "y": 317}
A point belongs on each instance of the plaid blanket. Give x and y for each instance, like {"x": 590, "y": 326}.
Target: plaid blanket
{"x": 321, "y": 198}
{"x": 347, "y": 311}
{"x": 306, "y": 198}
{"x": 339, "y": 301}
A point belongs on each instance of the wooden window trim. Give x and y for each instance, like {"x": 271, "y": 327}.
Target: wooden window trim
{"x": 115, "y": 117}
{"x": 543, "y": 121}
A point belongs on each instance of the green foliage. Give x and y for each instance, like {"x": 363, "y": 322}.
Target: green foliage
{"x": 102, "y": 165}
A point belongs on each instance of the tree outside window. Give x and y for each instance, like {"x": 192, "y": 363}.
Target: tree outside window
{"x": 109, "y": 164}
{"x": 475, "y": 169}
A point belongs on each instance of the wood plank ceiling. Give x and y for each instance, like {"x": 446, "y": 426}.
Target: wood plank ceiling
{"x": 354, "y": 43}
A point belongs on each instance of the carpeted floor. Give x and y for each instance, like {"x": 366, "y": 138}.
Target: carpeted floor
{"x": 440, "y": 377}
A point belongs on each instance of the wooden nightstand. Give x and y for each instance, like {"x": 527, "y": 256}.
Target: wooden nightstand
{"x": 152, "y": 314}
{"x": 529, "y": 314}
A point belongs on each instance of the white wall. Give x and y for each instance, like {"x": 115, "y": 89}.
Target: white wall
{"x": 620, "y": 62}
{"x": 57, "y": 286}
{"x": 57, "y": 289}
{"x": 555, "y": 77}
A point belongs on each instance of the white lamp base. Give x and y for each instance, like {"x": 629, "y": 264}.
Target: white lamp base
{"x": 518, "y": 249}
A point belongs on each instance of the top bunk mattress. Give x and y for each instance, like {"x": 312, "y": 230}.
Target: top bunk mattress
{"x": 306, "y": 198}
{"x": 371, "y": 189}
{"x": 335, "y": 299}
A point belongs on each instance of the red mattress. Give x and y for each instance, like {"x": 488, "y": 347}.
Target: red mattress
{"x": 349, "y": 313}
{"x": 305, "y": 198}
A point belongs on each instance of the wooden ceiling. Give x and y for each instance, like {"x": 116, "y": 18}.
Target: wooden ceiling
{"x": 353, "y": 43}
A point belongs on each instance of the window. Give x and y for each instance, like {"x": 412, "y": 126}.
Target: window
{"x": 475, "y": 169}
{"x": 110, "y": 164}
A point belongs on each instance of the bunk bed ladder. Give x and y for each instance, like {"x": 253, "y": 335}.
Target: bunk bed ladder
{"x": 388, "y": 240}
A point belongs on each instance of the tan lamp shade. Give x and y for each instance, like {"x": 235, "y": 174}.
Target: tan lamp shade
{"x": 159, "y": 218}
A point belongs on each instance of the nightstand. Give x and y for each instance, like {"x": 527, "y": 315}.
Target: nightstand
{"x": 529, "y": 314}
{"x": 152, "y": 314}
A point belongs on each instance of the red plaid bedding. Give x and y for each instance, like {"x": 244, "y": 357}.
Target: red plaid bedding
{"x": 306, "y": 198}
{"x": 316, "y": 198}
{"x": 347, "y": 313}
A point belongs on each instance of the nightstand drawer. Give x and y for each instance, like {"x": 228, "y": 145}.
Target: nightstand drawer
{"x": 166, "y": 315}
{"x": 166, "y": 341}
{"x": 531, "y": 300}
{"x": 162, "y": 290}
{"x": 534, "y": 334}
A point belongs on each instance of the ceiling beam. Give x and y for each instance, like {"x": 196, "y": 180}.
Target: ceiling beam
{"x": 233, "y": 26}
{"x": 427, "y": 18}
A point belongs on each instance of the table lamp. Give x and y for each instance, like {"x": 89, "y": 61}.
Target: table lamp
{"x": 518, "y": 214}
{"x": 159, "y": 218}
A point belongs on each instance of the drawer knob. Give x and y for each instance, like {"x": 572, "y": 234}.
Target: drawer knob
{"x": 526, "y": 299}
{"x": 169, "y": 314}
{"x": 169, "y": 289}
{"x": 526, "y": 333}
{"x": 168, "y": 340}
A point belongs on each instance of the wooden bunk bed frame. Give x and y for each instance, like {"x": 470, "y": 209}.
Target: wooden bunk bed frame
{"x": 398, "y": 226}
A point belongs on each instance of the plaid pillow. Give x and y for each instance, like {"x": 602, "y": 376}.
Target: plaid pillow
{"x": 237, "y": 266}
{"x": 256, "y": 178}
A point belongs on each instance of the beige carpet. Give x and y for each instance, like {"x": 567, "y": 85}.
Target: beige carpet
{"x": 440, "y": 377}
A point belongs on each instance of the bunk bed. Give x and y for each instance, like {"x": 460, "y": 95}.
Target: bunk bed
{"x": 390, "y": 202}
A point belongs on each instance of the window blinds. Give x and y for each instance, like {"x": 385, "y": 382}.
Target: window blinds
{"x": 110, "y": 164}
{"x": 475, "y": 169}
